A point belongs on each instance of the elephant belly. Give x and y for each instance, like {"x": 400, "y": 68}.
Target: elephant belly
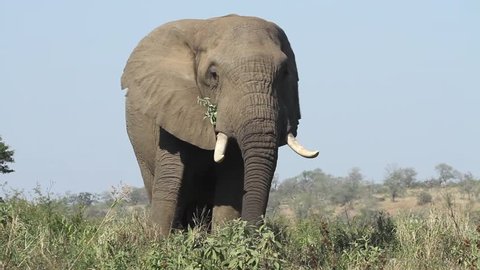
{"x": 194, "y": 206}
{"x": 196, "y": 198}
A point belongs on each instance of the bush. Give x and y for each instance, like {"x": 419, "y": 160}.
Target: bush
{"x": 319, "y": 243}
{"x": 423, "y": 198}
{"x": 235, "y": 246}
{"x": 48, "y": 233}
{"x": 31, "y": 229}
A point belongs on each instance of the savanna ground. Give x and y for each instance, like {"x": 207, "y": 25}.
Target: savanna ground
{"x": 314, "y": 221}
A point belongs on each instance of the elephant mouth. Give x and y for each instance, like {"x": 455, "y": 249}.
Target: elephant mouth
{"x": 222, "y": 142}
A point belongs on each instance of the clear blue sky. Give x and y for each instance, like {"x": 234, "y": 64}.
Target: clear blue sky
{"x": 380, "y": 83}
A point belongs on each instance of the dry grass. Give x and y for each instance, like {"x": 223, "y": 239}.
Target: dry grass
{"x": 440, "y": 195}
{"x": 408, "y": 203}
{"x": 439, "y": 235}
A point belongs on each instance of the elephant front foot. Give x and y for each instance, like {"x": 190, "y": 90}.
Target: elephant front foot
{"x": 163, "y": 213}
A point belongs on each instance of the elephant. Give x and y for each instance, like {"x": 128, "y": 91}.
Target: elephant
{"x": 218, "y": 154}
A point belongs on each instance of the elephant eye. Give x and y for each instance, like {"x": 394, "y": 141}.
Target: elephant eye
{"x": 212, "y": 70}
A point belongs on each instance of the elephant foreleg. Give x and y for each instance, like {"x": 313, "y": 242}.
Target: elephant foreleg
{"x": 169, "y": 170}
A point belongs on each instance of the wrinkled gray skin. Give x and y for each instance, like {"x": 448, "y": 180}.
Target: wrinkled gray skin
{"x": 244, "y": 65}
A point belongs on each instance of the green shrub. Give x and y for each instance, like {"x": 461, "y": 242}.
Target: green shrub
{"x": 424, "y": 198}
{"x": 235, "y": 246}
{"x": 48, "y": 233}
{"x": 318, "y": 243}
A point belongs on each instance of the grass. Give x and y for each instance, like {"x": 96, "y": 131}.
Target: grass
{"x": 48, "y": 233}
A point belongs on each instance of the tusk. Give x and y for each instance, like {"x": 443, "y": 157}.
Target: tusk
{"x": 298, "y": 148}
{"x": 220, "y": 147}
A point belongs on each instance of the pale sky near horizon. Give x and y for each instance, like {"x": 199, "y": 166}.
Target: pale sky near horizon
{"x": 381, "y": 83}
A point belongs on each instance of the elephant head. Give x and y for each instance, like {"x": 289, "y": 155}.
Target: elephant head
{"x": 246, "y": 67}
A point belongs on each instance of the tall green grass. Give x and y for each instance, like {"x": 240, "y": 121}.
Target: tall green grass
{"x": 48, "y": 233}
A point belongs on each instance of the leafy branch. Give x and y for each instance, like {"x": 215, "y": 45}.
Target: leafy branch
{"x": 211, "y": 112}
{"x": 6, "y": 156}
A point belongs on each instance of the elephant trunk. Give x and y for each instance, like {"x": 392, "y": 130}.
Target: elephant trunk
{"x": 258, "y": 140}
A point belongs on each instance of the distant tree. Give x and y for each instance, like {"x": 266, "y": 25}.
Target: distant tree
{"x": 6, "y": 156}
{"x": 398, "y": 179}
{"x": 469, "y": 185}
{"x": 349, "y": 188}
{"x": 395, "y": 181}
{"x": 305, "y": 193}
{"x": 82, "y": 199}
{"x": 446, "y": 173}
{"x": 138, "y": 196}
{"x": 306, "y": 176}
{"x": 288, "y": 188}
{"x": 430, "y": 182}
{"x": 106, "y": 197}
{"x": 275, "y": 183}
{"x": 409, "y": 176}
{"x": 305, "y": 181}
{"x": 86, "y": 198}
{"x": 354, "y": 181}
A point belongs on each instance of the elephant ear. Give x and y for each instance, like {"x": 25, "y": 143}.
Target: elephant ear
{"x": 160, "y": 78}
{"x": 289, "y": 98}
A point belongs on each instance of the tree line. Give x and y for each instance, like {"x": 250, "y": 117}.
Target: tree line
{"x": 306, "y": 191}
